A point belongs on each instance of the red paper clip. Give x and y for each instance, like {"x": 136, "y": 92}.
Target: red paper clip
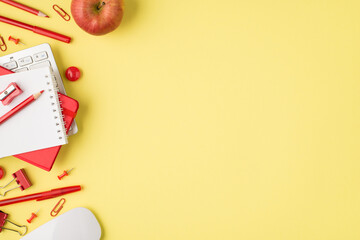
{"x": 21, "y": 179}
{"x": 3, "y": 46}
{"x": 11, "y": 92}
{"x": 58, "y": 207}
{"x": 61, "y": 12}
{"x": 3, "y": 220}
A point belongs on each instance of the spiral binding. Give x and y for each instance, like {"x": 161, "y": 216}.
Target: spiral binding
{"x": 58, "y": 116}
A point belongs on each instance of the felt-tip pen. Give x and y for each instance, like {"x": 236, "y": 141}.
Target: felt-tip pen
{"x": 36, "y": 29}
{"x": 41, "y": 196}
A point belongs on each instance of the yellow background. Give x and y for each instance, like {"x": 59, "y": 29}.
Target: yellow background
{"x": 209, "y": 120}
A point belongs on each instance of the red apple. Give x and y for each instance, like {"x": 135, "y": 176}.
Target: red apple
{"x": 97, "y": 17}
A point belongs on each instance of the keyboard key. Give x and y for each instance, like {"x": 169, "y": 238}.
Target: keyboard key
{"x": 10, "y": 65}
{"x": 25, "y": 61}
{"x": 41, "y": 65}
{"x": 22, "y": 69}
{"x": 40, "y": 56}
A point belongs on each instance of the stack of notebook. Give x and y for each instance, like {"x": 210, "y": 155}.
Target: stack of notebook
{"x": 36, "y": 133}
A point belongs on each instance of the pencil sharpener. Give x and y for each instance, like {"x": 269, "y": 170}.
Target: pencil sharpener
{"x": 10, "y": 93}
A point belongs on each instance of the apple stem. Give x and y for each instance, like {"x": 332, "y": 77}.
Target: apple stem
{"x": 100, "y": 5}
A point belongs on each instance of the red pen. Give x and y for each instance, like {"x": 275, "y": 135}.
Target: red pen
{"x": 20, "y": 106}
{"x": 41, "y": 196}
{"x": 36, "y": 29}
{"x": 25, "y": 8}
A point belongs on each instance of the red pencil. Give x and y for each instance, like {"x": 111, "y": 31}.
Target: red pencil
{"x": 25, "y": 8}
{"x": 20, "y": 106}
{"x": 36, "y": 29}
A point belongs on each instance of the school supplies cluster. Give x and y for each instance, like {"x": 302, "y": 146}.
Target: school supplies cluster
{"x": 35, "y": 29}
{"x": 36, "y": 196}
{"x": 36, "y": 118}
{"x": 34, "y": 130}
{"x": 39, "y": 148}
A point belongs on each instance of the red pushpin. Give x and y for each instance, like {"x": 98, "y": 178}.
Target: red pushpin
{"x": 2, "y": 172}
{"x": 72, "y": 74}
{"x": 65, "y": 173}
{"x": 15, "y": 40}
{"x": 33, "y": 215}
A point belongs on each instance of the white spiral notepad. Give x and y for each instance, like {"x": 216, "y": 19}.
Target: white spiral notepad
{"x": 40, "y": 124}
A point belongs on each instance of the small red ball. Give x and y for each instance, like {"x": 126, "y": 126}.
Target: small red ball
{"x": 72, "y": 73}
{"x": 2, "y": 173}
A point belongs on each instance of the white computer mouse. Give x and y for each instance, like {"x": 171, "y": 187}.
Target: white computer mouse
{"x": 76, "y": 224}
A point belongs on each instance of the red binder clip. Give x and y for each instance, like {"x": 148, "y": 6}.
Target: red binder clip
{"x": 11, "y": 92}
{"x": 3, "y": 220}
{"x": 3, "y": 46}
{"x": 61, "y": 12}
{"x": 21, "y": 179}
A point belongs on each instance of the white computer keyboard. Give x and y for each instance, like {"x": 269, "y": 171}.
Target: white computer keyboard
{"x": 32, "y": 58}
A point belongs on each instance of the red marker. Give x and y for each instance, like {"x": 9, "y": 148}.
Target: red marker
{"x": 20, "y": 106}
{"x": 36, "y": 29}
{"x": 41, "y": 196}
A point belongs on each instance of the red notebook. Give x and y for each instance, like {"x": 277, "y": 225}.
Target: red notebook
{"x": 45, "y": 158}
